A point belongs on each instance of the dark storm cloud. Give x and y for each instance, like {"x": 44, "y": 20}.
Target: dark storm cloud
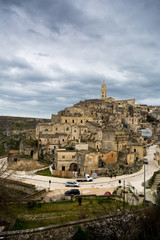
{"x": 55, "y": 53}
{"x": 54, "y": 14}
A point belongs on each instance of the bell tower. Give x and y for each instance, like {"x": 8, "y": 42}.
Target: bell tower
{"x": 103, "y": 91}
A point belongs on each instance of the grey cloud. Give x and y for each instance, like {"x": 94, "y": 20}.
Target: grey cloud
{"x": 10, "y": 2}
{"x": 32, "y": 31}
{"x": 54, "y": 14}
{"x": 20, "y": 63}
{"x": 42, "y": 54}
{"x": 56, "y": 53}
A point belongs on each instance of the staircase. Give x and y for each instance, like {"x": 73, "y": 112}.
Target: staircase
{"x": 156, "y": 182}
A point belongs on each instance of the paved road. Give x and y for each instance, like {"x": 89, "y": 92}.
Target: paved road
{"x": 135, "y": 179}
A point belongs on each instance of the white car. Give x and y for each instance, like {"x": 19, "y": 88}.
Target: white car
{"x": 71, "y": 184}
{"x": 145, "y": 161}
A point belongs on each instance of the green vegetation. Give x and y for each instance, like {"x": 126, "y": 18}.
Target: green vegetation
{"x": 44, "y": 172}
{"x": 44, "y": 161}
{"x": 32, "y": 143}
{"x": 8, "y": 143}
{"x": 44, "y": 214}
{"x": 151, "y": 119}
{"x": 81, "y": 234}
{"x": 34, "y": 214}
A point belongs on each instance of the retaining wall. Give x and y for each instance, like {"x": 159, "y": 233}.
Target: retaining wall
{"x": 3, "y": 164}
{"x": 18, "y": 185}
{"x": 57, "y": 232}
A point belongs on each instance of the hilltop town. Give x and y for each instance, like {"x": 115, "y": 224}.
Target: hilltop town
{"x": 104, "y": 142}
{"x": 103, "y": 136}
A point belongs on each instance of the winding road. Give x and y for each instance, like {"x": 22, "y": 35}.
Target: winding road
{"x": 135, "y": 180}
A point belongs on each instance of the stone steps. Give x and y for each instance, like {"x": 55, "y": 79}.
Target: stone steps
{"x": 156, "y": 182}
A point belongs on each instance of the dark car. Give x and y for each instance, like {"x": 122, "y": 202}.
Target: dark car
{"x": 72, "y": 192}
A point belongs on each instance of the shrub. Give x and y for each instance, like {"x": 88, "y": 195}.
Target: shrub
{"x": 81, "y": 234}
{"x": 31, "y": 205}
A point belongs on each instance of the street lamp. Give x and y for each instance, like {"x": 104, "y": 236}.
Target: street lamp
{"x": 145, "y": 161}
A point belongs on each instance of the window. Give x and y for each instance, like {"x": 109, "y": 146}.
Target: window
{"x": 73, "y": 157}
{"x": 46, "y": 129}
{"x": 81, "y": 121}
{"x": 56, "y": 129}
{"x": 63, "y": 140}
{"x": 90, "y": 160}
{"x": 66, "y": 121}
{"x": 63, "y": 168}
{"x": 63, "y": 157}
{"x": 74, "y": 130}
{"x": 72, "y": 120}
{"x": 112, "y": 155}
{"x": 134, "y": 150}
{"x": 67, "y": 129}
{"x": 85, "y": 130}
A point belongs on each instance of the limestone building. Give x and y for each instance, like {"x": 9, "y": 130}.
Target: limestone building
{"x": 103, "y": 91}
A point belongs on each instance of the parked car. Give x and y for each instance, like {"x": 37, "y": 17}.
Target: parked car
{"x": 107, "y": 193}
{"x": 71, "y": 184}
{"x": 87, "y": 178}
{"x": 72, "y": 192}
{"x": 145, "y": 161}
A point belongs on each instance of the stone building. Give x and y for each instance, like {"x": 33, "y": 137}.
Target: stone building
{"x": 87, "y": 162}
{"x": 29, "y": 148}
{"x": 130, "y": 158}
{"x": 49, "y": 142}
{"x": 65, "y": 160}
{"x": 109, "y": 139}
{"x": 137, "y": 149}
{"x": 107, "y": 157}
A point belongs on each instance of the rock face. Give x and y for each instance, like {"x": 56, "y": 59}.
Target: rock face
{"x": 118, "y": 169}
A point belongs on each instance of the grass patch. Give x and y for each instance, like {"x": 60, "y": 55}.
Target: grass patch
{"x": 44, "y": 161}
{"x": 45, "y": 214}
{"x": 44, "y": 172}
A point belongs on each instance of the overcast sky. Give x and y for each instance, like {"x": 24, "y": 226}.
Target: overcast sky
{"x": 54, "y": 53}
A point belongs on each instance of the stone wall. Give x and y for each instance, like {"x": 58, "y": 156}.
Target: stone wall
{"x": 68, "y": 174}
{"x": 61, "y": 231}
{"x": 21, "y": 186}
{"x": 3, "y": 164}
